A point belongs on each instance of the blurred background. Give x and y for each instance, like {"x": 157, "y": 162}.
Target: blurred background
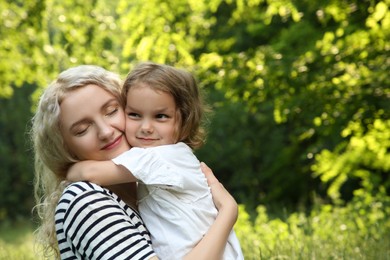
{"x": 300, "y": 91}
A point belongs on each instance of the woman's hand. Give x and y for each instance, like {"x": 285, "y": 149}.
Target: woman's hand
{"x": 213, "y": 243}
{"x": 221, "y": 197}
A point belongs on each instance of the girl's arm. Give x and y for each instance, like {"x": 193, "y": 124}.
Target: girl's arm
{"x": 213, "y": 243}
{"x": 103, "y": 173}
{"x": 131, "y": 166}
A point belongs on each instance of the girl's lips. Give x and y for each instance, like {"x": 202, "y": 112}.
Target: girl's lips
{"x": 146, "y": 140}
{"x": 113, "y": 144}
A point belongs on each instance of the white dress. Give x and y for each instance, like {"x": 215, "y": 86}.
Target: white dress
{"x": 175, "y": 201}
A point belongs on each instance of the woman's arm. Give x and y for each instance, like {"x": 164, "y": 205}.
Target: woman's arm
{"x": 213, "y": 243}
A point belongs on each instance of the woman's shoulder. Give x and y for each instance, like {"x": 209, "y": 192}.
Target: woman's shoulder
{"x": 82, "y": 190}
{"x": 83, "y": 186}
{"x": 83, "y": 195}
{"x": 76, "y": 188}
{"x": 92, "y": 217}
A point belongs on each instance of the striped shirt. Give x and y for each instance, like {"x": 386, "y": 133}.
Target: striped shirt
{"x": 94, "y": 223}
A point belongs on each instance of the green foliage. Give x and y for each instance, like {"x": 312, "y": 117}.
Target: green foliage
{"x": 363, "y": 157}
{"x": 21, "y": 60}
{"x": 16, "y": 242}
{"x": 358, "y": 230}
{"x": 300, "y": 92}
{"x": 41, "y": 38}
{"x": 24, "y": 250}
{"x": 321, "y": 70}
{"x": 16, "y": 195}
{"x": 300, "y": 89}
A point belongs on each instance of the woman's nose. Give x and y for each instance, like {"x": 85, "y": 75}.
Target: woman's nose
{"x": 105, "y": 130}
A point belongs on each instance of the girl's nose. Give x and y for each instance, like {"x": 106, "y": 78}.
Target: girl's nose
{"x": 146, "y": 126}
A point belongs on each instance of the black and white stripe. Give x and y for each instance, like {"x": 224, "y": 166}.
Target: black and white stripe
{"x": 94, "y": 223}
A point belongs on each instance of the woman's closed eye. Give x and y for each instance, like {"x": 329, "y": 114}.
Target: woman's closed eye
{"x": 81, "y": 130}
{"x": 112, "y": 112}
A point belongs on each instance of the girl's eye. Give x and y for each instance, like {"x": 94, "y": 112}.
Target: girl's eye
{"x": 162, "y": 116}
{"x": 133, "y": 115}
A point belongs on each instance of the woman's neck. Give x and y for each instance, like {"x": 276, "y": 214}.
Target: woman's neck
{"x": 127, "y": 192}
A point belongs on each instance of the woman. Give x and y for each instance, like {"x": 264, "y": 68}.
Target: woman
{"x": 80, "y": 116}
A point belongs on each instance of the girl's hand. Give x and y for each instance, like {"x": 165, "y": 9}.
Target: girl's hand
{"x": 77, "y": 171}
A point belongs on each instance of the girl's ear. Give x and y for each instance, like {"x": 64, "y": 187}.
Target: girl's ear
{"x": 178, "y": 127}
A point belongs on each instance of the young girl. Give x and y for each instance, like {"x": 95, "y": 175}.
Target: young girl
{"x": 163, "y": 125}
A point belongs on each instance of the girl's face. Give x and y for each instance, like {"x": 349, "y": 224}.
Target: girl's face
{"x": 150, "y": 117}
{"x": 93, "y": 123}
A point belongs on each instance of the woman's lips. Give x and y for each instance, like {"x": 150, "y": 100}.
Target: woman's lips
{"x": 113, "y": 144}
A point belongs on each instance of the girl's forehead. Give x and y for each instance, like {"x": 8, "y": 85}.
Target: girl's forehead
{"x": 155, "y": 86}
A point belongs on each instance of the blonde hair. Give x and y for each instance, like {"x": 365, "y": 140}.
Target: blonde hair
{"x": 52, "y": 158}
{"x": 184, "y": 89}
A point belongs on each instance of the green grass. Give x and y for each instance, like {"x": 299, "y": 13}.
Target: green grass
{"x": 359, "y": 231}
{"x": 16, "y": 241}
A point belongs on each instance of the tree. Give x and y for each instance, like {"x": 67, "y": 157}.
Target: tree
{"x": 297, "y": 87}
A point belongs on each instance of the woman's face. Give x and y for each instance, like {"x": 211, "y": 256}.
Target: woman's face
{"x": 93, "y": 124}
